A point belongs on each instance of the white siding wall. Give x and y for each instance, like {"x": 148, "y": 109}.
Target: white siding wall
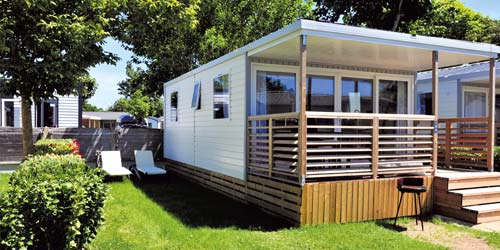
{"x": 447, "y": 97}
{"x": 197, "y": 138}
{"x": 68, "y": 111}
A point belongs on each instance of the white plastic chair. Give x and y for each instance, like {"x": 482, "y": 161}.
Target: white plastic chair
{"x": 111, "y": 163}
{"x": 145, "y": 164}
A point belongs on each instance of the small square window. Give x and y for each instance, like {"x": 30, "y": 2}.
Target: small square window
{"x": 221, "y": 97}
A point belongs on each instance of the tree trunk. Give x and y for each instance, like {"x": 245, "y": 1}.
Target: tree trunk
{"x": 27, "y": 126}
{"x": 398, "y": 16}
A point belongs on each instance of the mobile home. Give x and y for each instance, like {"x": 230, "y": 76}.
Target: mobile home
{"x": 313, "y": 122}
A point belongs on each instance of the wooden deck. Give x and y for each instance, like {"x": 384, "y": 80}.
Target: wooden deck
{"x": 473, "y": 196}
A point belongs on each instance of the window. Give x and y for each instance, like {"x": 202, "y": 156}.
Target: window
{"x": 46, "y": 113}
{"x": 393, "y": 97}
{"x": 8, "y": 114}
{"x": 195, "y": 102}
{"x": 474, "y": 104}
{"x": 174, "y": 115}
{"x": 221, "y": 97}
{"x": 424, "y": 104}
{"x": 357, "y": 95}
{"x": 320, "y": 93}
{"x": 275, "y": 93}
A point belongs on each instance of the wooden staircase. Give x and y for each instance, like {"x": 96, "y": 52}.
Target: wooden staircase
{"x": 471, "y": 197}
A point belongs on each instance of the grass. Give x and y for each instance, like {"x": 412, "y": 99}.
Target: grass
{"x": 182, "y": 215}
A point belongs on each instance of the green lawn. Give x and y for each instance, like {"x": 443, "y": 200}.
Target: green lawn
{"x": 177, "y": 214}
{"x": 181, "y": 215}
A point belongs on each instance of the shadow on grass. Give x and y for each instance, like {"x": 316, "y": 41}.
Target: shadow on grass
{"x": 389, "y": 224}
{"x": 196, "y": 206}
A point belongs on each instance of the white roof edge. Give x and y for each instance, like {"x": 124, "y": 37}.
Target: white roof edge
{"x": 315, "y": 28}
{"x": 426, "y": 42}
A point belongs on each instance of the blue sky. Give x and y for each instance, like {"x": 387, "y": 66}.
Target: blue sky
{"x": 109, "y": 75}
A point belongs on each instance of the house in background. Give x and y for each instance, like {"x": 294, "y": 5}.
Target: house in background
{"x": 106, "y": 119}
{"x": 62, "y": 112}
{"x": 463, "y": 91}
{"x": 154, "y": 122}
{"x": 316, "y": 121}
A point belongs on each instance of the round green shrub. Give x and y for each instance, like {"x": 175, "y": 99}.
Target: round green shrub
{"x": 52, "y": 202}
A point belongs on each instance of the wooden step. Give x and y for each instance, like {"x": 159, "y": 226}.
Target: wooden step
{"x": 477, "y": 196}
{"x": 474, "y": 180}
{"x": 485, "y": 213}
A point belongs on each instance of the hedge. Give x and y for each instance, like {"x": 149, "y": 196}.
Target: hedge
{"x": 57, "y": 146}
{"x": 52, "y": 202}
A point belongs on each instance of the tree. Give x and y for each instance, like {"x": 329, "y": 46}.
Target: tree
{"x": 385, "y": 14}
{"x": 173, "y": 37}
{"x": 451, "y": 19}
{"x": 47, "y": 45}
{"x": 90, "y": 108}
{"x": 119, "y": 105}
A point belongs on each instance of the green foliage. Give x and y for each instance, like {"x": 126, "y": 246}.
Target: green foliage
{"x": 451, "y": 19}
{"x": 52, "y": 202}
{"x": 57, "y": 146}
{"x": 139, "y": 105}
{"x": 386, "y": 14}
{"x": 173, "y": 37}
{"x": 91, "y": 108}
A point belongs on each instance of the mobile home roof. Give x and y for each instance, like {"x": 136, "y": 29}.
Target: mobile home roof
{"x": 340, "y": 31}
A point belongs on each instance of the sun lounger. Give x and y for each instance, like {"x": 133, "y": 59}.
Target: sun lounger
{"x": 144, "y": 163}
{"x": 111, "y": 163}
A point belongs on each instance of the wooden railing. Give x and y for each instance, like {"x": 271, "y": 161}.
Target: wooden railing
{"x": 340, "y": 145}
{"x": 463, "y": 142}
{"x": 353, "y": 144}
{"x": 273, "y": 146}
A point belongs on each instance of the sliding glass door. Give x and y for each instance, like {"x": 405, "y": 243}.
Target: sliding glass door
{"x": 275, "y": 93}
{"x": 393, "y": 97}
{"x": 320, "y": 93}
{"x": 357, "y": 95}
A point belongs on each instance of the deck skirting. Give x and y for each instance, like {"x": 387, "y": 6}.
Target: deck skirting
{"x": 314, "y": 203}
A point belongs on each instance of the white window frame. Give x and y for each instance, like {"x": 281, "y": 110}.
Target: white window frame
{"x": 220, "y": 74}
{"x": 170, "y": 105}
{"x": 337, "y": 74}
{"x": 3, "y": 109}
{"x": 475, "y": 90}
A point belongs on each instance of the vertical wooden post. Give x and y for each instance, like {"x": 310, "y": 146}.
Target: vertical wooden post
{"x": 435, "y": 108}
{"x": 270, "y": 145}
{"x": 447, "y": 147}
{"x": 375, "y": 141}
{"x": 302, "y": 111}
{"x": 491, "y": 115}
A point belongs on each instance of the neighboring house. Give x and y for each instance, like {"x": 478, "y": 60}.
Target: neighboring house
{"x": 100, "y": 119}
{"x": 62, "y": 112}
{"x": 288, "y": 121}
{"x": 463, "y": 91}
{"x": 154, "y": 122}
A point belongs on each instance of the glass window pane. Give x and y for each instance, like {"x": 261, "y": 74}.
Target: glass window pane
{"x": 173, "y": 106}
{"x": 393, "y": 97}
{"x": 221, "y": 97}
{"x": 357, "y": 95}
{"x": 275, "y": 93}
{"x": 320, "y": 93}
{"x": 424, "y": 104}
{"x": 474, "y": 104}
{"x": 9, "y": 114}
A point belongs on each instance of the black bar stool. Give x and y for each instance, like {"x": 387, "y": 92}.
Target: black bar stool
{"x": 415, "y": 186}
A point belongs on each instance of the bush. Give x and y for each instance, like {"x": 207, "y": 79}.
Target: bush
{"x": 52, "y": 202}
{"x": 57, "y": 146}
